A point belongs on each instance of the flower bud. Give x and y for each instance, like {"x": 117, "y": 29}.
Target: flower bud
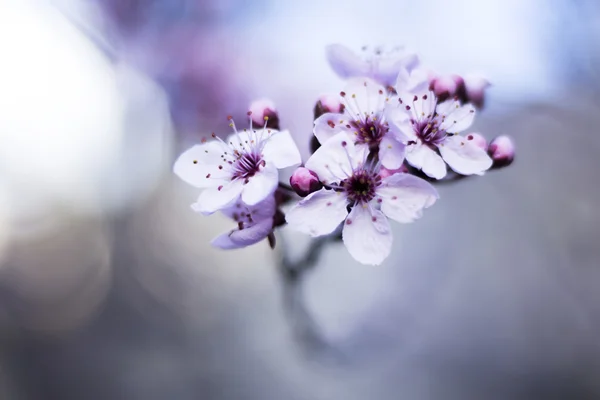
{"x": 305, "y": 182}
{"x": 502, "y": 151}
{"x": 478, "y": 140}
{"x": 475, "y": 87}
{"x": 328, "y": 103}
{"x": 263, "y": 110}
{"x": 446, "y": 86}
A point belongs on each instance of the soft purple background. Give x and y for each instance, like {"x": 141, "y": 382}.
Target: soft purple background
{"x": 109, "y": 289}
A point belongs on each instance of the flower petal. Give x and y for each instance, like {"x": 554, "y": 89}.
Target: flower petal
{"x": 199, "y": 165}
{"x": 345, "y": 62}
{"x": 424, "y": 158}
{"x": 261, "y": 185}
{"x": 330, "y": 124}
{"x": 331, "y": 161}
{"x": 455, "y": 118}
{"x": 399, "y": 122}
{"x": 415, "y": 82}
{"x": 464, "y": 156}
{"x": 217, "y": 198}
{"x": 387, "y": 68}
{"x": 364, "y": 96}
{"x": 391, "y": 153}
{"x": 244, "y": 237}
{"x": 367, "y": 235}
{"x": 404, "y": 197}
{"x": 281, "y": 150}
{"x": 319, "y": 213}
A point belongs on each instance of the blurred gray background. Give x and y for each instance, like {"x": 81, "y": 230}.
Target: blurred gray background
{"x": 109, "y": 288}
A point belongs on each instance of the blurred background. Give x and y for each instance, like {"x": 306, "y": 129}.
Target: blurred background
{"x": 109, "y": 288}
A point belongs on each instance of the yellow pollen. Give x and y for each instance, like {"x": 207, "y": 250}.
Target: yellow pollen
{"x": 266, "y": 118}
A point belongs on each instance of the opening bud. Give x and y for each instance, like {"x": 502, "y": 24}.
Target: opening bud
{"x": 328, "y": 103}
{"x": 305, "y": 182}
{"x": 502, "y": 151}
{"x": 263, "y": 111}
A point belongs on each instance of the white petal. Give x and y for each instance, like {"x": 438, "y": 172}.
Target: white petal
{"x": 264, "y": 209}
{"x": 331, "y": 162}
{"x": 319, "y": 213}
{"x": 456, "y": 118}
{"x": 245, "y": 237}
{"x": 281, "y": 150}
{"x": 422, "y": 157}
{"x": 399, "y": 122}
{"x": 345, "y": 62}
{"x": 367, "y": 235}
{"x": 330, "y": 124}
{"x": 261, "y": 185}
{"x": 199, "y": 165}
{"x": 391, "y": 153}
{"x": 415, "y": 82}
{"x": 464, "y": 156}
{"x": 363, "y": 97}
{"x": 217, "y": 198}
{"x": 386, "y": 69}
{"x": 404, "y": 197}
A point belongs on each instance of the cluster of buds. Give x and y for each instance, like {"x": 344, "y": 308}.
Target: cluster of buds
{"x": 376, "y": 150}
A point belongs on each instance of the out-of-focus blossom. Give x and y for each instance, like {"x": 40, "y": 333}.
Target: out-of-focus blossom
{"x": 304, "y": 182}
{"x": 263, "y": 111}
{"x": 502, "y": 150}
{"x": 446, "y": 86}
{"x": 475, "y": 87}
{"x": 364, "y": 122}
{"x": 254, "y": 223}
{"x": 377, "y": 63}
{"x": 353, "y": 182}
{"x": 245, "y": 165}
{"x": 429, "y": 127}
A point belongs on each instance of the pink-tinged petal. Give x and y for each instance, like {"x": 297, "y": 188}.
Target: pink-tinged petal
{"x": 199, "y": 165}
{"x": 217, "y": 198}
{"x": 464, "y": 156}
{"x": 398, "y": 119}
{"x": 281, "y": 150}
{"x": 345, "y": 63}
{"x": 244, "y": 237}
{"x": 331, "y": 162}
{"x": 404, "y": 197}
{"x": 319, "y": 213}
{"x": 364, "y": 96}
{"x": 455, "y": 118}
{"x": 391, "y": 153}
{"x": 261, "y": 185}
{"x": 386, "y": 68}
{"x": 264, "y": 108}
{"x": 367, "y": 235}
{"x": 415, "y": 82}
{"x": 264, "y": 209}
{"x": 424, "y": 158}
{"x": 478, "y": 140}
{"x": 475, "y": 87}
{"x": 330, "y": 124}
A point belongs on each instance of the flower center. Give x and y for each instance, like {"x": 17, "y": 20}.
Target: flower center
{"x": 247, "y": 165}
{"x": 361, "y": 186}
{"x": 369, "y": 131}
{"x": 429, "y": 132}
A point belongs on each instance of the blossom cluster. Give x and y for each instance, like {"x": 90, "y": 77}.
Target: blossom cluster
{"x": 378, "y": 146}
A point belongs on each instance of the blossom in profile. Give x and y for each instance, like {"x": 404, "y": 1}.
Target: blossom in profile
{"x": 378, "y": 63}
{"x": 245, "y": 166}
{"x": 254, "y": 223}
{"x": 304, "y": 182}
{"x": 355, "y": 193}
{"x": 430, "y": 130}
{"x": 364, "y": 121}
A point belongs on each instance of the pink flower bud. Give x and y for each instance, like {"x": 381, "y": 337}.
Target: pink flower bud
{"x": 445, "y": 86}
{"x": 502, "y": 151}
{"x": 304, "y": 182}
{"x": 478, "y": 140}
{"x": 384, "y": 172}
{"x": 475, "y": 87}
{"x": 328, "y": 103}
{"x": 263, "y": 110}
